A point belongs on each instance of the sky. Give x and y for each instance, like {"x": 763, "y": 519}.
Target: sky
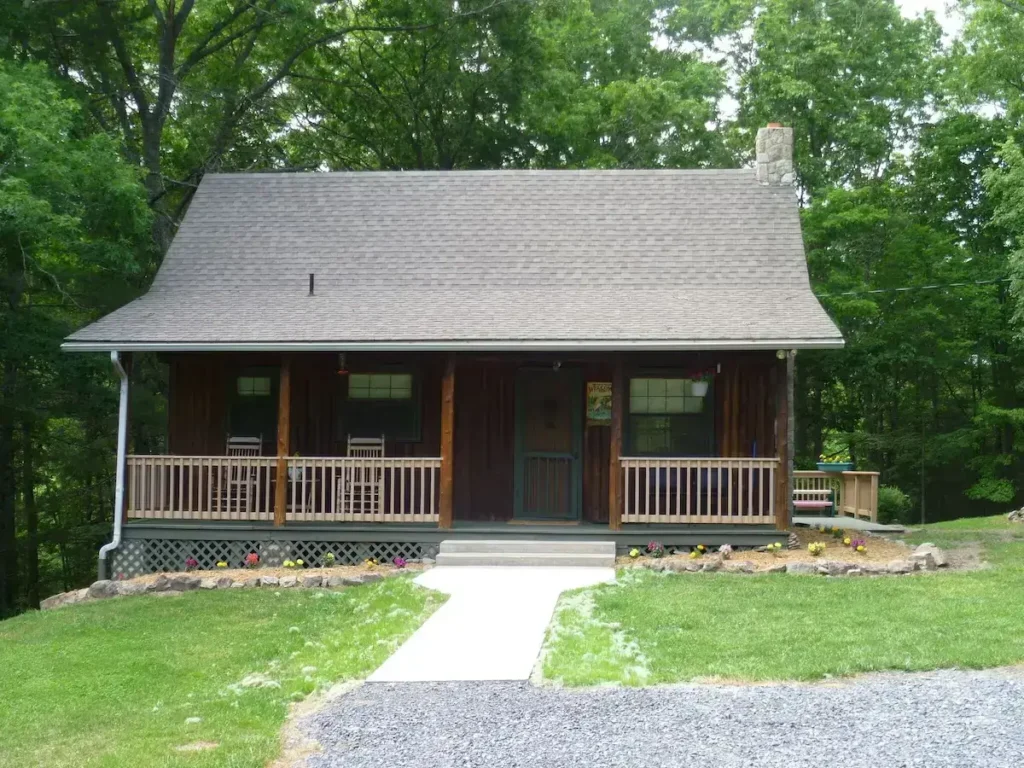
{"x": 951, "y": 22}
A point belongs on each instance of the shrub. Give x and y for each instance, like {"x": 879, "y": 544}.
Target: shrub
{"x": 893, "y": 505}
{"x": 816, "y": 548}
{"x": 252, "y": 560}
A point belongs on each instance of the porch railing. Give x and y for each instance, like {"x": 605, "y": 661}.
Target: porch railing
{"x": 714, "y": 490}
{"x": 324, "y": 489}
{"x": 854, "y": 493}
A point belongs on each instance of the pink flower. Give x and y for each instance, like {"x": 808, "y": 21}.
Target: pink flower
{"x": 400, "y": 562}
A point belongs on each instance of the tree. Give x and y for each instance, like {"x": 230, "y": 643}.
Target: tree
{"x": 73, "y": 229}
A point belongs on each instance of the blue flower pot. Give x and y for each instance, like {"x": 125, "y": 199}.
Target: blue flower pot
{"x": 835, "y": 466}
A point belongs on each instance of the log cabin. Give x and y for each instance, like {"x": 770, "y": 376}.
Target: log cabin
{"x": 368, "y": 363}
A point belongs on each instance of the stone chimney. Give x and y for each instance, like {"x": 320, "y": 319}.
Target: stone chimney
{"x": 775, "y": 155}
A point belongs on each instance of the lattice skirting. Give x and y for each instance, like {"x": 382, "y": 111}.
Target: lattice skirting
{"x": 153, "y": 555}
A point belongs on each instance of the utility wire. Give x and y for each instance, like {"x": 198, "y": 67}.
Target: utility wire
{"x": 908, "y": 288}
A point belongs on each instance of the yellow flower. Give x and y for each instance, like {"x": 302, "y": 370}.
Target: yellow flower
{"x": 298, "y": 562}
{"x": 861, "y": 548}
{"x": 222, "y": 564}
{"x": 634, "y": 552}
{"x": 846, "y": 541}
{"x": 693, "y": 554}
{"x": 700, "y": 547}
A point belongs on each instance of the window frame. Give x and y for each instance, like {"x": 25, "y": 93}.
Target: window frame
{"x": 238, "y": 401}
{"x": 414, "y": 432}
{"x": 703, "y": 420}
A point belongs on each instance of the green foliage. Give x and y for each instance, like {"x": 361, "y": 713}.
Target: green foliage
{"x": 894, "y": 505}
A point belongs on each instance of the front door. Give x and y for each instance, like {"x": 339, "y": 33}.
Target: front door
{"x": 549, "y": 423}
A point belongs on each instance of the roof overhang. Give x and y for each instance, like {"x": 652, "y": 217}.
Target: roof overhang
{"x": 482, "y": 345}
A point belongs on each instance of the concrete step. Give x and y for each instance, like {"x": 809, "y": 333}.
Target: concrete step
{"x": 519, "y": 547}
{"x": 526, "y": 558}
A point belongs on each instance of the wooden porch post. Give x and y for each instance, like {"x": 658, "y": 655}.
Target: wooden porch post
{"x": 446, "y": 506}
{"x": 284, "y": 429}
{"x": 783, "y": 446}
{"x": 615, "y": 449}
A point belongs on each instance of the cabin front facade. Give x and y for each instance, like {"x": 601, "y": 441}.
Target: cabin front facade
{"x": 366, "y": 364}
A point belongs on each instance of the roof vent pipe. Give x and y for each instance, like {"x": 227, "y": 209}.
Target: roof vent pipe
{"x": 310, "y": 283}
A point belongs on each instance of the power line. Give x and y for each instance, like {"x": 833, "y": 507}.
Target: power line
{"x": 908, "y": 288}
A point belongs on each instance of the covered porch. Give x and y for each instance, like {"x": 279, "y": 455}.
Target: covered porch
{"x": 610, "y": 441}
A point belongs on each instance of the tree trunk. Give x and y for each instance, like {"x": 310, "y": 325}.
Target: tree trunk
{"x": 28, "y": 495}
{"x": 8, "y": 488}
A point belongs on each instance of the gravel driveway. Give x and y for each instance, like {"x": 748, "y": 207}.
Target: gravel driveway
{"x": 881, "y": 721}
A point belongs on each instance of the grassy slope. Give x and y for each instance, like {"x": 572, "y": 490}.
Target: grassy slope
{"x": 657, "y": 628}
{"x": 111, "y": 683}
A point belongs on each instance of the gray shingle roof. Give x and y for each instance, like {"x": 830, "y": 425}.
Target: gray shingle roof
{"x": 480, "y": 258}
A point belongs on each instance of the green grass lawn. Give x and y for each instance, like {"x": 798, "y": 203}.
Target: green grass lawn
{"x": 112, "y": 683}
{"x": 665, "y": 628}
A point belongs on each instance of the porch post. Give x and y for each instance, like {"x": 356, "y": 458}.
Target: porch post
{"x": 127, "y": 363}
{"x": 284, "y": 429}
{"x": 446, "y": 506}
{"x": 783, "y": 441}
{"x": 615, "y": 448}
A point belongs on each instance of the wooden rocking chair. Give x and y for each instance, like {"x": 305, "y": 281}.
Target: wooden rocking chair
{"x": 239, "y": 484}
{"x": 361, "y": 488}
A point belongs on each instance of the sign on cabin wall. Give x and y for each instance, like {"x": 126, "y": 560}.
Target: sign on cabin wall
{"x": 599, "y": 403}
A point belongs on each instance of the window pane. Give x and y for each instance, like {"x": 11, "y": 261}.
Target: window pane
{"x": 638, "y": 387}
{"x": 675, "y": 405}
{"x": 401, "y": 381}
{"x": 244, "y": 385}
{"x": 401, "y": 394}
{"x": 657, "y": 404}
{"x": 261, "y": 385}
{"x": 656, "y": 387}
{"x": 380, "y": 381}
{"x": 676, "y": 387}
{"x": 638, "y": 404}
{"x": 359, "y": 381}
{"x": 694, "y": 404}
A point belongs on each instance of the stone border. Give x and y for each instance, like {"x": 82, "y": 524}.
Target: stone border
{"x": 181, "y": 583}
{"x": 926, "y": 557}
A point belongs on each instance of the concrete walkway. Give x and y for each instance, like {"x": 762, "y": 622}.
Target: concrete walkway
{"x": 850, "y": 523}
{"x": 492, "y": 626}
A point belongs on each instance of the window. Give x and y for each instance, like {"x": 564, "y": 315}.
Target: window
{"x": 670, "y": 417}
{"x": 383, "y": 403}
{"x": 253, "y": 404}
{"x": 380, "y": 386}
{"x": 254, "y": 386}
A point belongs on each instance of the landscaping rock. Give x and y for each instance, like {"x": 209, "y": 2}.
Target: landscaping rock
{"x": 802, "y": 569}
{"x": 834, "y": 567}
{"x": 65, "y": 598}
{"x": 312, "y": 581}
{"x": 102, "y": 588}
{"x": 924, "y": 561}
{"x": 334, "y": 581}
{"x": 937, "y": 554}
{"x": 250, "y": 581}
{"x": 874, "y": 569}
{"x": 183, "y": 583}
{"x": 371, "y": 577}
{"x": 130, "y": 588}
{"x": 676, "y": 566}
{"x": 711, "y": 564}
{"x": 657, "y": 565}
{"x": 286, "y": 582}
{"x": 160, "y": 584}
{"x": 855, "y": 572}
{"x": 780, "y": 568}
{"x": 269, "y": 581}
{"x": 1017, "y": 516}
{"x": 744, "y": 566}
{"x": 351, "y": 581}
{"x": 901, "y": 566}
{"x": 225, "y": 582}
{"x": 427, "y": 560}
{"x": 242, "y": 584}
{"x": 793, "y": 542}
{"x": 208, "y": 584}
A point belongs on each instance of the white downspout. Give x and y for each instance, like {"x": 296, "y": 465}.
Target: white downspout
{"x": 122, "y": 450}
